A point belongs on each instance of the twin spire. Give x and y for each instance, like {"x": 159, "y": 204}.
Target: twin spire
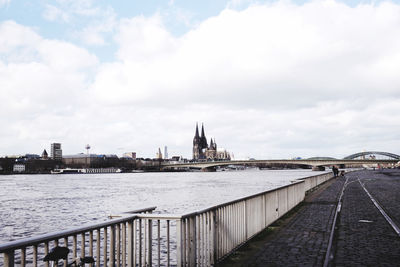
{"x": 201, "y": 150}
{"x": 202, "y": 140}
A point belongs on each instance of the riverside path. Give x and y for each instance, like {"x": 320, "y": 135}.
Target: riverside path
{"x": 351, "y": 221}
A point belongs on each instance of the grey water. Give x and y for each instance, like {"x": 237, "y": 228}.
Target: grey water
{"x": 36, "y": 204}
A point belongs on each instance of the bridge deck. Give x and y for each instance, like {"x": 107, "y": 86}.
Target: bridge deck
{"x": 309, "y": 162}
{"x": 363, "y": 237}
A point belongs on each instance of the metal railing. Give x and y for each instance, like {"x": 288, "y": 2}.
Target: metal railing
{"x": 109, "y": 241}
{"x": 200, "y": 238}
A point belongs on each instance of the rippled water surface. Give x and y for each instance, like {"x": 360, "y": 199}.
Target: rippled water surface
{"x": 36, "y": 204}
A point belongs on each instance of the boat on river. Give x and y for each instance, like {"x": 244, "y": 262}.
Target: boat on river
{"x": 88, "y": 170}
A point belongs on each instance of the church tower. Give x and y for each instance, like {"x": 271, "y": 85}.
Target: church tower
{"x": 196, "y": 144}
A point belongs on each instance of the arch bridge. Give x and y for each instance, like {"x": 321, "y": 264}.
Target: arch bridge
{"x": 367, "y": 153}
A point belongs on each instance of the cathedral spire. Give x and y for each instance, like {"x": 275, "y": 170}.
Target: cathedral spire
{"x": 202, "y": 131}
{"x": 197, "y": 130}
{"x": 203, "y": 139}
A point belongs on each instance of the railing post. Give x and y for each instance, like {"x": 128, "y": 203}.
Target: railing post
{"x": 179, "y": 242}
{"x": 112, "y": 246}
{"x": 214, "y": 228}
{"x": 192, "y": 241}
{"x": 130, "y": 243}
{"x": 246, "y": 220}
{"x": 9, "y": 258}
{"x": 149, "y": 241}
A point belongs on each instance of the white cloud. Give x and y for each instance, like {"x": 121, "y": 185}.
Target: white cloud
{"x": 53, "y": 13}
{"x": 268, "y": 55}
{"x": 4, "y": 2}
{"x": 94, "y": 33}
{"x": 47, "y": 78}
{"x": 270, "y": 81}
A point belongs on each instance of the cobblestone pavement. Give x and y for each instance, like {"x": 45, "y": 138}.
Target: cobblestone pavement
{"x": 304, "y": 241}
{"x": 362, "y": 237}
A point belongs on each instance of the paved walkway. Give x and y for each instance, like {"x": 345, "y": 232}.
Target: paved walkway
{"x": 362, "y": 237}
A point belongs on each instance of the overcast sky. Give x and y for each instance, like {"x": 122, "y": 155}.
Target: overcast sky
{"x": 269, "y": 79}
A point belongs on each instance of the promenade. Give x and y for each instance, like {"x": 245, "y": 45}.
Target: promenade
{"x": 362, "y": 235}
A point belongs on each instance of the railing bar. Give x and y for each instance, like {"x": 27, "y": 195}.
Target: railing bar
{"x": 118, "y": 256}
{"x": 209, "y": 238}
{"x": 140, "y": 242}
{"x": 178, "y": 242}
{"x": 35, "y": 255}
{"x": 124, "y": 244}
{"x": 238, "y": 208}
{"x": 184, "y": 256}
{"x": 168, "y": 243}
{"x": 205, "y": 236}
{"x": 9, "y": 258}
{"x": 200, "y": 239}
{"x": 234, "y": 224}
{"x": 83, "y": 245}
{"x": 223, "y": 230}
{"x": 215, "y": 226}
{"x": 98, "y": 244}
{"x": 65, "y": 242}
{"x": 228, "y": 230}
{"x": 158, "y": 241}
{"x": 112, "y": 246}
{"x": 91, "y": 245}
{"x": 134, "y": 241}
{"x": 105, "y": 246}
{"x": 74, "y": 244}
{"x": 23, "y": 257}
{"x": 150, "y": 241}
{"x": 144, "y": 241}
{"x": 46, "y": 251}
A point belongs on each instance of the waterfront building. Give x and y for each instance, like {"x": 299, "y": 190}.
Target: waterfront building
{"x": 203, "y": 151}
{"x": 90, "y": 161}
{"x": 45, "y": 155}
{"x": 56, "y": 151}
{"x": 165, "y": 152}
{"x": 159, "y": 154}
{"x": 19, "y": 168}
{"x": 131, "y": 155}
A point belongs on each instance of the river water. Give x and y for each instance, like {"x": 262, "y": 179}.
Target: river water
{"x": 37, "y": 204}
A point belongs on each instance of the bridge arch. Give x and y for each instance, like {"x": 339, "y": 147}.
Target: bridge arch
{"x": 366, "y": 153}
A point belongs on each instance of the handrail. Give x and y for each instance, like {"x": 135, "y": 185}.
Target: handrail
{"x": 239, "y": 200}
{"x": 12, "y": 245}
{"x": 61, "y": 234}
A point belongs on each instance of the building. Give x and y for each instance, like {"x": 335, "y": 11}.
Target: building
{"x": 90, "y": 161}
{"x": 56, "y": 151}
{"x": 165, "y": 152}
{"x": 45, "y": 155}
{"x": 19, "y": 168}
{"x": 203, "y": 151}
{"x": 159, "y": 154}
{"x": 129, "y": 155}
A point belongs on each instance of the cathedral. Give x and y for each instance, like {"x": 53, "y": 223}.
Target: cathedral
{"x": 203, "y": 151}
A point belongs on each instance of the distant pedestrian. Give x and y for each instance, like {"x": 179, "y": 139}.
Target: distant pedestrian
{"x": 335, "y": 171}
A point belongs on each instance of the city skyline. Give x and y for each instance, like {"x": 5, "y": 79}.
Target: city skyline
{"x": 270, "y": 79}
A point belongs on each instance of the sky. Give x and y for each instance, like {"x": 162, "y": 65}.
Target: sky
{"x": 269, "y": 79}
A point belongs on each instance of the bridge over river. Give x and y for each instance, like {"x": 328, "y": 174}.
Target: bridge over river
{"x": 315, "y": 163}
{"x": 307, "y": 162}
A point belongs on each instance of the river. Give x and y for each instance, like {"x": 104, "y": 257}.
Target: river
{"x": 37, "y": 204}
